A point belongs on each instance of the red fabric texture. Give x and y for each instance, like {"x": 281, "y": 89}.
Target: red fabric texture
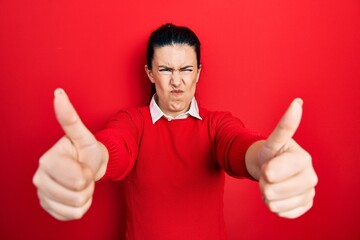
{"x": 173, "y": 171}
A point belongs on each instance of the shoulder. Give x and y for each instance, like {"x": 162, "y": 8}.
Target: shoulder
{"x": 218, "y": 117}
{"x": 133, "y": 116}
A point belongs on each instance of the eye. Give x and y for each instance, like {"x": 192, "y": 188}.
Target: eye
{"x": 187, "y": 70}
{"x": 164, "y": 70}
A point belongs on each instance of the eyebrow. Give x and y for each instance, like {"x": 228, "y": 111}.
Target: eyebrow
{"x": 185, "y": 67}
{"x": 164, "y": 66}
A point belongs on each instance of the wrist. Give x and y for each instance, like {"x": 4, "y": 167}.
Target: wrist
{"x": 252, "y": 162}
{"x": 104, "y": 161}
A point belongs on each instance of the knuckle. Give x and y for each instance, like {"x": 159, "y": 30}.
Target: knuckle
{"x": 313, "y": 178}
{"x": 309, "y": 205}
{"x": 38, "y": 179}
{"x": 268, "y": 192}
{"x": 79, "y": 200}
{"x": 35, "y": 180}
{"x": 307, "y": 156}
{"x": 76, "y": 214}
{"x": 305, "y": 160}
{"x": 42, "y": 161}
{"x": 79, "y": 212}
{"x": 273, "y": 207}
{"x": 39, "y": 194}
{"x": 312, "y": 193}
{"x": 268, "y": 173}
{"x": 44, "y": 204}
{"x": 78, "y": 184}
{"x": 45, "y": 163}
{"x": 81, "y": 181}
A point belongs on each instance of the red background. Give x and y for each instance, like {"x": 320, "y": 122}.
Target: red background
{"x": 257, "y": 56}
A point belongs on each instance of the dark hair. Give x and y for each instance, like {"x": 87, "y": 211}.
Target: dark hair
{"x": 169, "y": 34}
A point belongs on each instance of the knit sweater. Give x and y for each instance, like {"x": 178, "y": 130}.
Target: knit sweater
{"x": 173, "y": 171}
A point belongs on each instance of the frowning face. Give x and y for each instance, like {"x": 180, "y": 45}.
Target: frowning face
{"x": 175, "y": 74}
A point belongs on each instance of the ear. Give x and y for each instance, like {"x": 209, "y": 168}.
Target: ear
{"x": 198, "y": 73}
{"x": 149, "y": 74}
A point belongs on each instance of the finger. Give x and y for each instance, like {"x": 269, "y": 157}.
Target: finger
{"x": 286, "y": 164}
{"x": 282, "y": 191}
{"x": 297, "y": 212}
{"x": 289, "y": 188}
{"x": 52, "y": 190}
{"x": 57, "y": 216}
{"x": 64, "y": 212}
{"x": 63, "y": 169}
{"x": 294, "y": 185}
{"x": 52, "y": 213}
{"x": 70, "y": 121}
{"x": 289, "y": 204}
{"x": 284, "y": 130}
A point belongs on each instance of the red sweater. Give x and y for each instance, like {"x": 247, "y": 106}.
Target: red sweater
{"x": 173, "y": 171}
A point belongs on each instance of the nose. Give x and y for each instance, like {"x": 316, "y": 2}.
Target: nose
{"x": 176, "y": 79}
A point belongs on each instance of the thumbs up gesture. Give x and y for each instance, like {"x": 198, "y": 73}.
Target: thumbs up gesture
{"x": 287, "y": 178}
{"x": 67, "y": 171}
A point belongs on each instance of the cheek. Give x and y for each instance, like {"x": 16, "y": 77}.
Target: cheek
{"x": 194, "y": 81}
{"x": 160, "y": 85}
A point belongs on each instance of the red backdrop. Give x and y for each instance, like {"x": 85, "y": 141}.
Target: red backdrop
{"x": 257, "y": 56}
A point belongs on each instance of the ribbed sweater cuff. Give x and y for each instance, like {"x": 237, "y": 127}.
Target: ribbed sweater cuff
{"x": 237, "y": 155}
{"x": 113, "y": 166}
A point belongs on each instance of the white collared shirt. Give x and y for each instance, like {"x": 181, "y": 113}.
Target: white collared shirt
{"x": 156, "y": 112}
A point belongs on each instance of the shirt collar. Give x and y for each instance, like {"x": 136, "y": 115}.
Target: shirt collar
{"x": 156, "y": 112}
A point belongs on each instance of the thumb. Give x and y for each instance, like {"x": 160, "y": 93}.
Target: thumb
{"x": 70, "y": 121}
{"x": 283, "y": 132}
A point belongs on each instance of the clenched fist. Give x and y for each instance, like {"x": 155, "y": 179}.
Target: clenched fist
{"x": 284, "y": 169}
{"x": 67, "y": 172}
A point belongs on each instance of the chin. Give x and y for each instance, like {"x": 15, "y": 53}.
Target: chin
{"x": 178, "y": 108}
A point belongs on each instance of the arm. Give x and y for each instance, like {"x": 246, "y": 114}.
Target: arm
{"x": 286, "y": 176}
{"x": 231, "y": 143}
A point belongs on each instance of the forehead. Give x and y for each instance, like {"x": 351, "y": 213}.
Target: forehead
{"x": 176, "y": 54}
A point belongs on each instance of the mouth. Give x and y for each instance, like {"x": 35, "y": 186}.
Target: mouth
{"x": 176, "y": 92}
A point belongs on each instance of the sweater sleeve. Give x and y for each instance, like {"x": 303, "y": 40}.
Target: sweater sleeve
{"x": 232, "y": 141}
{"x": 121, "y": 138}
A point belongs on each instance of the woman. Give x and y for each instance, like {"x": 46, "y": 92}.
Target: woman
{"x": 172, "y": 154}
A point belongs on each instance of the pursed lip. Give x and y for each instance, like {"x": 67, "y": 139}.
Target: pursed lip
{"x": 177, "y": 91}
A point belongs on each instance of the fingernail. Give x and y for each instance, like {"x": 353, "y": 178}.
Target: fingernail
{"x": 299, "y": 100}
{"x": 58, "y": 91}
